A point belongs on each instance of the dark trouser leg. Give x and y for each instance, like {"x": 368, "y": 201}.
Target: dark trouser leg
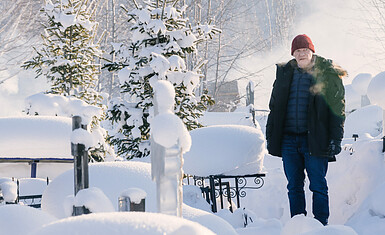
{"x": 294, "y": 166}
{"x": 316, "y": 168}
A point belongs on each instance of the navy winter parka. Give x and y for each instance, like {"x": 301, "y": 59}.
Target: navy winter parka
{"x": 326, "y": 110}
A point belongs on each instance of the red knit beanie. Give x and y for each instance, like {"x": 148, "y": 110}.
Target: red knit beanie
{"x": 302, "y": 41}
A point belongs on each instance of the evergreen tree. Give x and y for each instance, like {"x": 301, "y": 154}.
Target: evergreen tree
{"x": 68, "y": 55}
{"x": 161, "y": 39}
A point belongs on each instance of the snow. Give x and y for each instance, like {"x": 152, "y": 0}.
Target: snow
{"x": 32, "y": 186}
{"x": 225, "y": 118}
{"x": 352, "y": 99}
{"x": 94, "y": 199}
{"x": 223, "y": 149}
{"x": 361, "y": 82}
{"x": 376, "y": 88}
{"x": 57, "y": 105}
{"x": 136, "y": 195}
{"x": 81, "y": 136}
{"x": 123, "y": 175}
{"x": 300, "y": 224}
{"x": 118, "y": 223}
{"x": 372, "y": 115}
{"x": 8, "y": 189}
{"x": 209, "y": 220}
{"x": 35, "y": 137}
{"x": 167, "y": 129}
{"x": 17, "y": 219}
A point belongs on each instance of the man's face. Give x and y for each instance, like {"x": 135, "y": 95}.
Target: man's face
{"x": 303, "y": 57}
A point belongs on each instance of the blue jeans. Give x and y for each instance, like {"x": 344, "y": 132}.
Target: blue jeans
{"x": 296, "y": 159}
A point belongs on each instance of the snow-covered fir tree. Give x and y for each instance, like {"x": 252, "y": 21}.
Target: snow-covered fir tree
{"x": 67, "y": 58}
{"x": 161, "y": 39}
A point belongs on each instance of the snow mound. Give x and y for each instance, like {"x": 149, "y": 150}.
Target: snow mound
{"x": 120, "y": 223}
{"x": 369, "y": 219}
{"x": 300, "y": 224}
{"x": 35, "y": 137}
{"x": 332, "y": 230}
{"x": 226, "y": 118}
{"x": 376, "y": 90}
{"x": 372, "y": 114}
{"x": 223, "y": 149}
{"x": 112, "y": 178}
{"x": 361, "y": 82}
{"x": 209, "y": 220}
{"x": 17, "y": 219}
{"x": 353, "y": 99}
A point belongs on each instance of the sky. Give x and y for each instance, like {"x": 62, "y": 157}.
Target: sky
{"x": 339, "y": 30}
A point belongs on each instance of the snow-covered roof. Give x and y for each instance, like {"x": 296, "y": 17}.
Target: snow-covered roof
{"x": 36, "y": 137}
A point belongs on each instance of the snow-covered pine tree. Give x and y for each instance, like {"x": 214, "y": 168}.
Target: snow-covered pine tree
{"x": 68, "y": 55}
{"x": 161, "y": 39}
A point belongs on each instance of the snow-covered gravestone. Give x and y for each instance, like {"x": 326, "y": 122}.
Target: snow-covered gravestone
{"x": 169, "y": 140}
{"x": 376, "y": 94}
{"x": 360, "y": 84}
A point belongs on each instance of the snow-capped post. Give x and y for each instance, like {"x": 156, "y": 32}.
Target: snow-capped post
{"x": 132, "y": 199}
{"x": 169, "y": 139}
{"x": 81, "y": 179}
{"x": 376, "y": 96}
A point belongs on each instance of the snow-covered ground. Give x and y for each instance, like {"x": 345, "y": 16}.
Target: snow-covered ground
{"x": 356, "y": 186}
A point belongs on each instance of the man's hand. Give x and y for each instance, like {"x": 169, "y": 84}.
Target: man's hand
{"x": 334, "y": 148}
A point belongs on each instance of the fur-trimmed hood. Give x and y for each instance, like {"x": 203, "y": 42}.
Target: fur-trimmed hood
{"x": 320, "y": 63}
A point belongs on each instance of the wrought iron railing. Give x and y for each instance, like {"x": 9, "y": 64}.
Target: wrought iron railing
{"x": 224, "y": 187}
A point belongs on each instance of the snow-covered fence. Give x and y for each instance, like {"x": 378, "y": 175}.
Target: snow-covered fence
{"x": 30, "y": 193}
{"x": 39, "y": 141}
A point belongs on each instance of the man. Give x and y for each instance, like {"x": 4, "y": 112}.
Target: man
{"x": 305, "y": 124}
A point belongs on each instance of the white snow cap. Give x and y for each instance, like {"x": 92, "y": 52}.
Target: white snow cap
{"x": 376, "y": 90}
{"x": 9, "y": 190}
{"x": 164, "y": 95}
{"x": 35, "y": 136}
{"x": 57, "y": 105}
{"x": 225, "y": 149}
{"x": 94, "y": 199}
{"x": 135, "y": 194}
{"x": 167, "y": 129}
{"x": 361, "y": 82}
{"x": 81, "y": 136}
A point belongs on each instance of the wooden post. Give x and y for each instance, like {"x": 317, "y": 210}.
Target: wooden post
{"x": 80, "y": 165}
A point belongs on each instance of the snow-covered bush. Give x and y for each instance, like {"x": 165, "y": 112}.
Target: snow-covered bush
{"x": 161, "y": 38}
